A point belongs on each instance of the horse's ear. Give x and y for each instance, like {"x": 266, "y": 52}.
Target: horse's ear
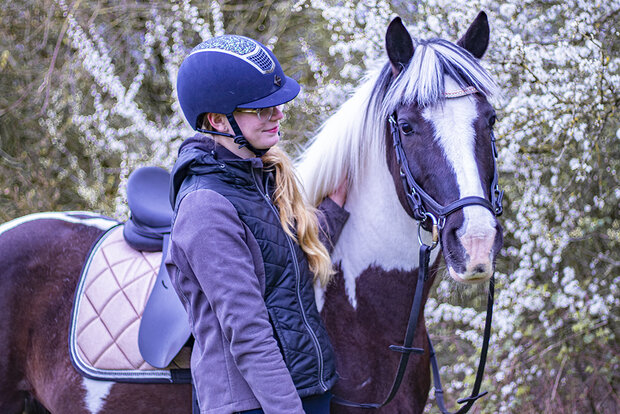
{"x": 476, "y": 40}
{"x": 399, "y": 45}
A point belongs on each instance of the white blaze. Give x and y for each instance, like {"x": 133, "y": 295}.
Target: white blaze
{"x": 454, "y": 131}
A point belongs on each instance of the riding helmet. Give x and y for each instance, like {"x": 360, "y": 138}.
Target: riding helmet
{"x": 229, "y": 72}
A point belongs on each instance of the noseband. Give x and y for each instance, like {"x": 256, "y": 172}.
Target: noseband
{"x": 424, "y": 207}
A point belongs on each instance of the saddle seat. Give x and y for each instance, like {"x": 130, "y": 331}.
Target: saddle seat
{"x": 151, "y": 213}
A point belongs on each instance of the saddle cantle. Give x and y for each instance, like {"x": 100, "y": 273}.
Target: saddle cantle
{"x": 151, "y": 213}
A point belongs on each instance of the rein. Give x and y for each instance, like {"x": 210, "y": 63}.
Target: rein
{"x": 425, "y": 207}
{"x": 407, "y": 349}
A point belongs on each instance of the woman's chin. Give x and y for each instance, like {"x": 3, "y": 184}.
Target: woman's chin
{"x": 267, "y": 142}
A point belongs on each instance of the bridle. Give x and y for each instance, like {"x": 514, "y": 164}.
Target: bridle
{"x": 422, "y": 205}
{"x": 424, "y": 208}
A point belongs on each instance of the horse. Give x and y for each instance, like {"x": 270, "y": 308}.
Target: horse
{"x": 448, "y": 142}
{"x": 434, "y": 95}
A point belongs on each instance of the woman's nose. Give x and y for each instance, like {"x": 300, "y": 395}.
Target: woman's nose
{"x": 277, "y": 113}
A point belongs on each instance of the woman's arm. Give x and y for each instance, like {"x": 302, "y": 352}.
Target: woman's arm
{"x": 332, "y": 216}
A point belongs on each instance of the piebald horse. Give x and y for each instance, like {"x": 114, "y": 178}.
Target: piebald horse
{"x": 435, "y": 94}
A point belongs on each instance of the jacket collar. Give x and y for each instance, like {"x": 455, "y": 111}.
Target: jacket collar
{"x": 202, "y": 152}
{"x": 219, "y": 152}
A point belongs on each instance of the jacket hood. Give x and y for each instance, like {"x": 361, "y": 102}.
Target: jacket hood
{"x": 201, "y": 152}
{"x": 192, "y": 150}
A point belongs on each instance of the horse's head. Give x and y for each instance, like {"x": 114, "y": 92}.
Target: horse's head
{"x": 436, "y": 96}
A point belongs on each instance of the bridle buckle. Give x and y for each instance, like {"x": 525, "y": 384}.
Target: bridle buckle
{"x": 434, "y": 230}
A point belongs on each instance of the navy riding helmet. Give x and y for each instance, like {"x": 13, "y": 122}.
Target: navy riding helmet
{"x": 229, "y": 72}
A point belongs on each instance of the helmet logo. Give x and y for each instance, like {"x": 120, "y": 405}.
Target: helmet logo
{"x": 277, "y": 80}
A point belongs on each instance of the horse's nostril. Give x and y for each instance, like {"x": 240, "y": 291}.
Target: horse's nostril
{"x": 480, "y": 269}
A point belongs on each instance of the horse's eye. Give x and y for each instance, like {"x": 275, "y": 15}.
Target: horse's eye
{"x": 406, "y": 128}
{"x": 492, "y": 120}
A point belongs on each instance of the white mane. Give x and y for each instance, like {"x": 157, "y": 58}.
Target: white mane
{"x": 341, "y": 146}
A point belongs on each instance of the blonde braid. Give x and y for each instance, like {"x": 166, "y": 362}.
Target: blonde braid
{"x": 297, "y": 214}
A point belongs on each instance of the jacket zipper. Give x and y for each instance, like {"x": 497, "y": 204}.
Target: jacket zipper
{"x": 315, "y": 340}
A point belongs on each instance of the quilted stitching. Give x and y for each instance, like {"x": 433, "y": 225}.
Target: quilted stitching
{"x": 117, "y": 286}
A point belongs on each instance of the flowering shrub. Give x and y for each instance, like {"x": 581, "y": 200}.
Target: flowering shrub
{"x": 105, "y": 104}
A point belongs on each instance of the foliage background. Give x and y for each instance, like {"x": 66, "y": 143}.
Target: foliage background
{"x": 88, "y": 96}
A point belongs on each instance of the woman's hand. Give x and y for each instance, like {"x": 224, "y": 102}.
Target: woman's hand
{"x": 339, "y": 195}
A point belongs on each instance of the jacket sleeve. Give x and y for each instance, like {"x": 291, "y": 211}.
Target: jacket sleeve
{"x": 332, "y": 219}
{"x": 214, "y": 243}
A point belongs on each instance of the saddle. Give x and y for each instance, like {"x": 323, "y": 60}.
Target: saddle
{"x": 151, "y": 214}
{"x": 164, "y": 328}
{"x": 128, "y": 323}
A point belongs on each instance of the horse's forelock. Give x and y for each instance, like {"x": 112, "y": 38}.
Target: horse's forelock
{"x": 422, "y": 80}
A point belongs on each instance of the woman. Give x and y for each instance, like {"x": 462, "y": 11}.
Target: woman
{"x": 245, "y": 249}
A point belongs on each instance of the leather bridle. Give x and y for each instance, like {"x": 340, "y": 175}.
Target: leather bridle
{"x": 424, "y": 208}
{"x": 422, "y": 205}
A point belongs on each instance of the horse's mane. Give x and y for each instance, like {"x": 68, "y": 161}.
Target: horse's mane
{"x": 357, "y": 130}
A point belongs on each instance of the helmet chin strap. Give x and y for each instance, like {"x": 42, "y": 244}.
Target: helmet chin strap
{"x": 238, "y": 138}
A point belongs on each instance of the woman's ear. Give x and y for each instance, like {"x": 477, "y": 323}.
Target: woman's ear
{"x": 218, "y": 122}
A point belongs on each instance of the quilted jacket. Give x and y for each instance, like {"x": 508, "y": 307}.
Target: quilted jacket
{"x": 259, "y": 340}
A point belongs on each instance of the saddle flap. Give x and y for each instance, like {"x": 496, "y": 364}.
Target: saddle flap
{"x": 164, "y": 327}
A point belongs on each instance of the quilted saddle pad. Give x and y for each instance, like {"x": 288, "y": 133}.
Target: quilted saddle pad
{"x": 112, "y": 293}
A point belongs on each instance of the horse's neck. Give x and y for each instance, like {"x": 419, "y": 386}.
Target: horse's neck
{"x": 379, "y": 232}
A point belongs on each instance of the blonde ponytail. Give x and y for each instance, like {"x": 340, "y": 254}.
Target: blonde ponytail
{"x": 297, "y": 216}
